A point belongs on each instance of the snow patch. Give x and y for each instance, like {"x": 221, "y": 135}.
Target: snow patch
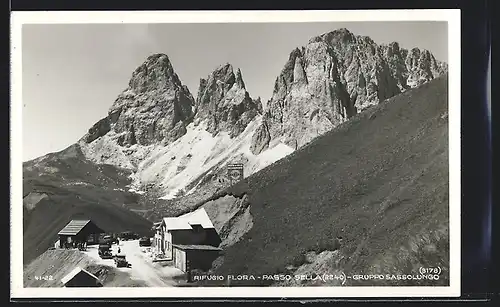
{"x": 171, "y": 195}
{"x": 78, "y": 183}
{"x": 136, "y": 191}
{"x": 207, "y": 152}
{"x": 268, "y": 157}
{"x": 177, "y": 165}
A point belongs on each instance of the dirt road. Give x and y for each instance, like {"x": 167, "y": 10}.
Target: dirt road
{"x": 153, "y": 274}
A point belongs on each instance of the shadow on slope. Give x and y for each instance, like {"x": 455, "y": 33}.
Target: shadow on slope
{"x": 49, "y": 268}
{"x": 378, "y": 184}
{"x": 73, "y": 188}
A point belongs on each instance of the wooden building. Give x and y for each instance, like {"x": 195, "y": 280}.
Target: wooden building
{"x": 190, "y": 240}
{"x": 79, "y": 231}
{"x": 81, "y": 278}
{"x": 156, "y": 244}
{"x": 189, "y": 257}
{"x": 194, "y": 228}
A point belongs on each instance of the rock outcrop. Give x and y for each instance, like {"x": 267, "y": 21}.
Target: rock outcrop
{"x": 97, "y": 130}
{"x": 335, "y": 76}
{"x": 224, "y": 103}
{"x": 155, "y": 108}
{"x": 260, "y": 139}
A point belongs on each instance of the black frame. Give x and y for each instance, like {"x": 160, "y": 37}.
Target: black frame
{"x": 478, "y": 270}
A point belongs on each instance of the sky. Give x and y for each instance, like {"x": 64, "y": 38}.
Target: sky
{"x": 72, "y": 73}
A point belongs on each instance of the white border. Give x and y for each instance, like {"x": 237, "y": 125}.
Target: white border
{"x": 20, "y": 18}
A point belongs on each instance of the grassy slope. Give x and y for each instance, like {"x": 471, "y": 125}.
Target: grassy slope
{"x": 98, "y": 200}
{"x": 380, "y": 181}
{"x": 54, "y": 263}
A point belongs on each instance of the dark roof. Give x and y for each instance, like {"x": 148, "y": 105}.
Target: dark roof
{"x": 76, "y": 272}
{"x": 75, "y": 226}
{"x": 197, "y": 247}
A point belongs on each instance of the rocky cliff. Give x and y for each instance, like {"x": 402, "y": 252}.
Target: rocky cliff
{"x": 224, "y": 102}
{"x": 333, "y": 77}
{"x": 156, "y": 107}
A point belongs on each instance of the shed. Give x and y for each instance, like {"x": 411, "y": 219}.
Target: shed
{"x": 79, "y": 231}
{"x": 188, "y": 257}
{"x": 81, "y": 278}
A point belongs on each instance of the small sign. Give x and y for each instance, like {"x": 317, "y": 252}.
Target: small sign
{"x": 235, "y": 172}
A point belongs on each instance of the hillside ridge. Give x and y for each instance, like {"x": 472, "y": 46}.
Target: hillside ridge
{"x": 360, "y": 211}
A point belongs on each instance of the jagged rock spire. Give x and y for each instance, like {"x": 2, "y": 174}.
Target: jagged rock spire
{"x": 223, "y": 101}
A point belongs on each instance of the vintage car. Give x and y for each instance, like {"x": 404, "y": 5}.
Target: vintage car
{"x": 121, "y": 261}
{"x": 145, "y": 241}
{"x": 105, "y": 251}
{"x": 109, "y": 239}
{"x": 128, "y": 235}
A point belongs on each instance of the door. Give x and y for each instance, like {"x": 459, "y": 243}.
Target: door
{"x": 176, "y": 258}
{"x": 179, "y": 259}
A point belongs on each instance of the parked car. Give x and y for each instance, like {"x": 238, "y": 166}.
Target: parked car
{"x": 105, "y": 251}
{"x": 128, "y": 235}
{"x": 121, "y": 261}
{"x": 109, "y": 239}
{"x": 145, "y": 241}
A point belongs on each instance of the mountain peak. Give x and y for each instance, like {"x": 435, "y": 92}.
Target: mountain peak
{"x": 223, "y": 69}
{"x": 341, "y": 35}
{"x": 336, "y": 75}
{"x": 155, "y": 108}
{"x": 158, "y": 58}
{"x": 154, "y": 72}
{"x": 239, "y": 79}
{"x": 394, "y": 45}
{"x": 342, "y": 31}
{"x": 224, "y": 102}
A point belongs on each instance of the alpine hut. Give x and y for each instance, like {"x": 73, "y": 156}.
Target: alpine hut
{"x": 190, "y": 240}
{"x": 79, "y": 231}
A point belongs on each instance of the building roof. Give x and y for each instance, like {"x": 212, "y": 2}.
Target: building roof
{"x": 197, "y": 247}
{"x": 75, "y": 226}
{"x": 184, "y": 222}
{"x": 75, "y": 272}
